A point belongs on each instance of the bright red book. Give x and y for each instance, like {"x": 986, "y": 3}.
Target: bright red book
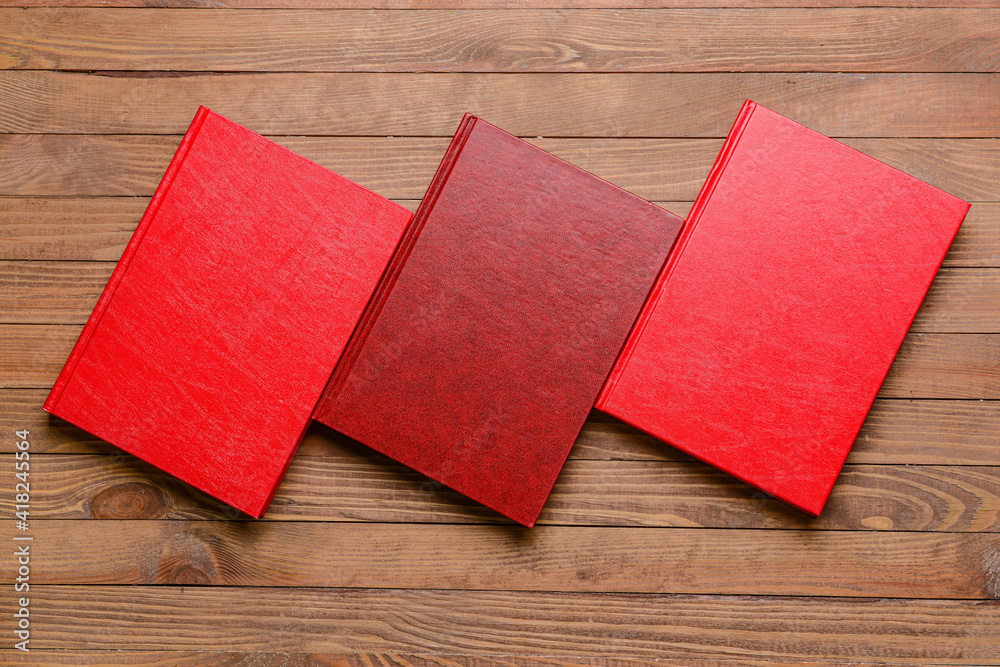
{"x": 798, "y": 272}
{"x": 227, "y": 312}
{"x": 499, "y": 318}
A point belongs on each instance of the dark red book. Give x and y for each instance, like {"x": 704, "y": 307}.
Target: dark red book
{"x": 498, "y": 320}
{"x": 798, "y": 272}
{"x": 228, "y": 311}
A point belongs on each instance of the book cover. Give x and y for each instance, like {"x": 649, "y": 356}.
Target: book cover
{"x": 220, "y": 326}
{"x": 498, "y": 320}
{"x": 798, "y": 273}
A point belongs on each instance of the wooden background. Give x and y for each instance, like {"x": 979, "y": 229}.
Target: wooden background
{"x": 641, "y": 554}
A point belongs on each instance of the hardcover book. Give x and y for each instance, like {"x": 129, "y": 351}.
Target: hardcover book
{"x": 766, "y": 338}
{"x": 498, "y": 320}
{"x": 227, "y": 313}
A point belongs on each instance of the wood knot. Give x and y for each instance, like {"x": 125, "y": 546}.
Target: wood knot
{"x": 186, "y": 556}
{"x": 129, "y": 500}
{"x": 188, "y": 576}
{"x": 991, "y": 566}
{"x": 877, "y": 522}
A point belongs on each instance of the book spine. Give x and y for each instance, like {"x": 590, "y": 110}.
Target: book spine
{"x": 395, "y": 266}
{"x": 674, "y": 256}
{"x": 123, "y": 263}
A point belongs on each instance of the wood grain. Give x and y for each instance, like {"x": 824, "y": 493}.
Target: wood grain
{"x": 928, "y": 365}
{"x": 364, "y": 659}
{"x": 42, "y": 658}
{"x": 40, "y": 292}
{"x": 401, "y": 167}
{"x": 959, "y": 301}
{"x": 75, "y": 229}
{"x": 361, "y": 487}
{"x": 98, "y": 228}
{"x": 897, "y": 431}
{"x": 550, "y": 105}
{"x": 486, "y": 4}
{"x": 945, "y": 366}
{"x": 508, "y": 623}
{"x": 92, "y": 103}
{"x": 551, "y": 558}
{"x": 682, "y": 40}
{"x": 924, "y": 432}
{"x": 64, "y": 228}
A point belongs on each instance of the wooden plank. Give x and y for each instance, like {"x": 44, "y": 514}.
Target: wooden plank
{"x": 40, "y": 292}
{"x": 43, "y": 658}
{"x": 97, "y": 229}
{"x": 367, "y": 659}
{"x": 487, "y": 4}
{"x": 963, "y": 366}
{"x": 959, "y": 301}
{"x": 937, "y": 162}
{"x": 930, "y": 432}
{"x": 401, "y": 167}
{"x": 909, "y": 432}
{"x": 685, "y": 40}
{"x": 65, "y": 228}
{"x": 550, "y": 105}
{"x": 32, "y": 356}
{"x": 454, "y": 623}
{"x": 361, "y": 487}
{"x": 73, "y": 228}
{"x": 51, "y": 292}
{"x": 926, "y": 432}
{"x": 977, "y": 243}
{"x": 945, "y": 366}
{"x": 209, "y": 658}
{"x": 551, "y": 558}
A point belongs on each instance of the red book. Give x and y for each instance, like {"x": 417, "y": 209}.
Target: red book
{"x": 228, "y": 311}
{"x": 499, "y": 318}
{"x": 798, "y": 272}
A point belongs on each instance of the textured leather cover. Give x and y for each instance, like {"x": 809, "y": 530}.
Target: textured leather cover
{"x": 228, "y": 311}
{"x": 799, "y": 270}
{"x": 498, "y": 320}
